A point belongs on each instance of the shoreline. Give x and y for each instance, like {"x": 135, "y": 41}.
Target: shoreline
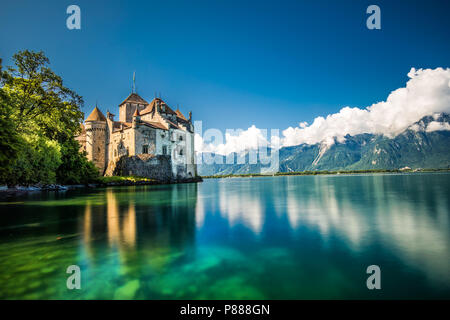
{"x": 137, "y": 181}
{"x": 18, "y": 190}
{"x": 324, "y": 172}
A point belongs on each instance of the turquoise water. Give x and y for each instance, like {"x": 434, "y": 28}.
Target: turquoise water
{"x": 297, "y": 237}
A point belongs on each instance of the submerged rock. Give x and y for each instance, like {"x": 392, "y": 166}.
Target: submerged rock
{"x": 127, "y": 291}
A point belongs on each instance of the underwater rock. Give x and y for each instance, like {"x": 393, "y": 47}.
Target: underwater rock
{"x": 127, "y": 291}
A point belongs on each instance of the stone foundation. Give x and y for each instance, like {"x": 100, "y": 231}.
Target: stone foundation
{"x": 144, "y": 165}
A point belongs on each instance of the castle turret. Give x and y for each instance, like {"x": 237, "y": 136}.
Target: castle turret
{"x": 136, "y": 118}
{"x": 96, "y": 138}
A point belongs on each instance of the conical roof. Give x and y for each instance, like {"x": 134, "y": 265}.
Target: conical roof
{"x": 96, "y": 115}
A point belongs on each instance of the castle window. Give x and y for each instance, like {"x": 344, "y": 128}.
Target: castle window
{"x": 164, "y": 150}
{"x": 181, "y": 152}
{"x": 180, "y": 138}
{"x": 145, "y": 149}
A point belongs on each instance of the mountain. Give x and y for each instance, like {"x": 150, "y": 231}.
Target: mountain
{"x": 424, "y": 144}
{"x": 247, "y": 162}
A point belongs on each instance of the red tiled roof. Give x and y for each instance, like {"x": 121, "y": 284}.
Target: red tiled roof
{"x": 135, "y": 98}
{"x": 117, "y": 125}
{"x": 173, "y": 125}
{"x": 152, "y": 105}
{"x": 156, "y": 125}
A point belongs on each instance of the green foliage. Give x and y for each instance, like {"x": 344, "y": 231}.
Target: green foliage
{"x": 40, "y": 100}
{"x": 9, "y": 139}
{"x": 39, "y": 118}
{"x": 75, "y": 168}
{"x": 36, "y": 162}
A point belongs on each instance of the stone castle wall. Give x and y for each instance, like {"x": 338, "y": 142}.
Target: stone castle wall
{"x": 143, "y": 165}
{"x": 127, "y": 110}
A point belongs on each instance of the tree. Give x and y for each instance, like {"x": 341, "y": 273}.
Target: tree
{"x": 75, "y": 168}
{"x": 41, "y": 101}
{"x": 9, "y": 138}
{"x": 36, "y": 162}
{"x": 39, "y": 118}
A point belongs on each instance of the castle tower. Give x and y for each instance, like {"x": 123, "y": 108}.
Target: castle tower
{"x": 127, "y": 108}
{"x": 96, "y": 138}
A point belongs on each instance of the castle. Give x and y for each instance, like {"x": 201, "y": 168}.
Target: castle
{"x": 149, "y": 140}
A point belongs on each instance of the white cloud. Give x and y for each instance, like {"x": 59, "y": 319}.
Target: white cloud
{"x": 436, "y": 126}
{"x": 427, "y": 92}
{"x": 235, "y": 140}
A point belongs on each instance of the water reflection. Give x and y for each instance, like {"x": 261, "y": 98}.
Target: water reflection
{"x": 242, "y": 205}
{"x": 406, "y": 215}
{"x": 136, "y": 233}
{"x": 243, "y": 238}
{"x": 120, "y": 225}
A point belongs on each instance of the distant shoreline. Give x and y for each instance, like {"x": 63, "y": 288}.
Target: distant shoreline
{"x": 325, "y": 172}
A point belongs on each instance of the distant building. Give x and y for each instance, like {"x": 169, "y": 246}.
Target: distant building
{"x": 150, "y": 139}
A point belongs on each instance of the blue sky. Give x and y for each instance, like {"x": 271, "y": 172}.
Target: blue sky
{"x": 233, "y": 63}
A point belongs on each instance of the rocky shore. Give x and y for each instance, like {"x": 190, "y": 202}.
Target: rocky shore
{"x": 57, "y": 187}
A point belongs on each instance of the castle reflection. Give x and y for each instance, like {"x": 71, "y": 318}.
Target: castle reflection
{"x": 138, "y": 223}
{"x": 153, "y": 227}
{"x": 289, "y": 237}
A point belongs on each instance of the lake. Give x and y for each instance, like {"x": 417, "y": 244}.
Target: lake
{"x": 294, "y": 237}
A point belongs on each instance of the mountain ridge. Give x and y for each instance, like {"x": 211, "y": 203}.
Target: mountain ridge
{"x": 424, "y": 144}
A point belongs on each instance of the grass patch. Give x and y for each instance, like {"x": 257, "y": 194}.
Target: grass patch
{"x": 125, "y": 179}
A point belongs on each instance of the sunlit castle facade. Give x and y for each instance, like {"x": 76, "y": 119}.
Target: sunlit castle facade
{"x": 150, "y": 140}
